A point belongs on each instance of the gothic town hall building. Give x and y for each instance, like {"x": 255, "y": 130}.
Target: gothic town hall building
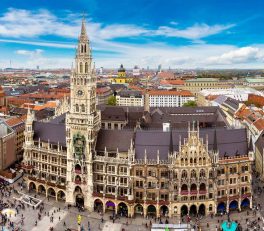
{"x": 137, "y": 160}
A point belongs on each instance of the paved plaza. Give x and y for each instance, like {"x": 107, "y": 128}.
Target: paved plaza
{"x": 64, "y": 218}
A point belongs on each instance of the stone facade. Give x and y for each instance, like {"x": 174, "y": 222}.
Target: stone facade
{"x": 105, "y": 170}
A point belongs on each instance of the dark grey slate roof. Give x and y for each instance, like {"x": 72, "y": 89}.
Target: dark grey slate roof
{"x": 113, "y": 114}
{"x": 129, "y": 93}
{"x": 260, "y": 143}
{"x": 221, "y": 99}
{"x": 232, "y": 103}
{"x": 229, "y": 141}
{"x": 113, "y": 139}
{"x": 59, "y": 119}
{"x": 51, "y": 132}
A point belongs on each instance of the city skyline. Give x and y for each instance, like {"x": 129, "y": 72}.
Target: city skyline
{"x": 144, "y": 33}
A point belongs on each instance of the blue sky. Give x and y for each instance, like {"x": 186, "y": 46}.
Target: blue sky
{"x": 174, "y": 33}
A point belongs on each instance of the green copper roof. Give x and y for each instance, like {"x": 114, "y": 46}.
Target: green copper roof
{"x": 255, "y": 80}
{"x": 203, "y": 80}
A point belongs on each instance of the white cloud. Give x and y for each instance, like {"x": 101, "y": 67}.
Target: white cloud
{"x": 240, "y": 55}
{"x": 18, "y": 23}
{"x": 29, "y": 52}
{"x": 27, "y": 27}
{"x": 40, "y": 43}
{"x": 195, "y": 32}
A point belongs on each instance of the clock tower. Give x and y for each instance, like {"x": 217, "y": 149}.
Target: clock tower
{"x": 83, "y": 122}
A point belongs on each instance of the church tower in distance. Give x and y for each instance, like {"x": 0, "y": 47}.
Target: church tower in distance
{"x": 82, "y": 125}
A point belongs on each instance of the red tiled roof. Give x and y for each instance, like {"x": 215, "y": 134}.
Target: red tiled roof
{"x": 259, "y": 124}
{"x": 172, "y": 81}
{"x": 211, "y": 97}
{"x": 164, "y": 92}
{"x": 102, "y": 90}
{"x": 14, "y": 121}
{"x": 166, "y": 75}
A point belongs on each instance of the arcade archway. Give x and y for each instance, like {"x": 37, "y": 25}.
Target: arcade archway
{"x": 245, "y": 204}
{"x": 98, "y": 205}
{"x": 122, "y": 209}
{"x": 32, "y": 186}
{"x": 233, "y": 205}
{"x": 184, "y": 210}
{"x": 139, "y": 209}
{"x": 151, "y": 210}
{"x": 110, "y": 206}
{"x": 51, "y": 192}
{"x": 164, "y": 210}
{"x": 201, "y": 210}
{"x": 221, "y": 207}
{"x": 41, "y": 189}
{"x": 193, "y": 210}
{"x": 79, "y": 201}
{"x": 61, "y": 195}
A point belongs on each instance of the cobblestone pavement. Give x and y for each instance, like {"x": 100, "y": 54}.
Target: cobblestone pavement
{"x": 67, "y": 218}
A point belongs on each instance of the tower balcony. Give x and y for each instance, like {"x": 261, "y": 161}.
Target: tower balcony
{"x": 202, "y": 192}
{"x": 78, "y": 182}
{"x": 184, "y": 192}
{"x": 193, "y": 192}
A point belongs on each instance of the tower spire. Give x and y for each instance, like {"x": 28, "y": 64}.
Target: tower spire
{"x": 83, "y": 30}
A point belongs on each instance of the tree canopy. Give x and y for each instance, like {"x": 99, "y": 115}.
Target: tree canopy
{"x": 111, "y": 100}
{"x": 190, "y": 104}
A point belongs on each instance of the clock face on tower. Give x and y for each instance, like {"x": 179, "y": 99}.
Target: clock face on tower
{"x": 79, "y": 93}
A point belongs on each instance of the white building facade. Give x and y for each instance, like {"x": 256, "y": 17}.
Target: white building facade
{"x": 169, "y": 98}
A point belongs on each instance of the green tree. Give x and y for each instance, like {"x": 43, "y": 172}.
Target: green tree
{"x": 190, "y": 104}
{"x": 111, "y": 100}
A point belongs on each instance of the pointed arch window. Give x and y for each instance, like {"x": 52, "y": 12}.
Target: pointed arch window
{"x": 85, "y": 48}
{"x": 83, "y": 108}
{"x": 86, "y": 67}
{"x": 193, "y": 174}
{"x": 81, "y": 67}
{"x": 81, "y": 48}
{"x": 77, "y": 108}
{"x": 184, "y": 174}
{"x": 202, "y": 173}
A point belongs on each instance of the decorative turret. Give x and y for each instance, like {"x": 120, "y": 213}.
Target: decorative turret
{"x": 215, "y": 155}
{"x": 29, "y": 128}
{"x": 251, "y": 148}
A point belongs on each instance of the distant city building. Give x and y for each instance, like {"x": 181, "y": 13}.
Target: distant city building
{"x": 198, "y": 84}
{"x": 7, "y": 146}
{"x": 136, "y": 71}
{"x": 101, "y": 71}
{"x": 122, "y": 77}
{"x": 206, "y": 97}
{"x": 121, "y": 73}
{"x": 130, "y": 98}
{"x": 257, "y": 83}
{"x": 159, "y": 68}
{"x": 163, "y": 98}
{"x": 17, "y": 124}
